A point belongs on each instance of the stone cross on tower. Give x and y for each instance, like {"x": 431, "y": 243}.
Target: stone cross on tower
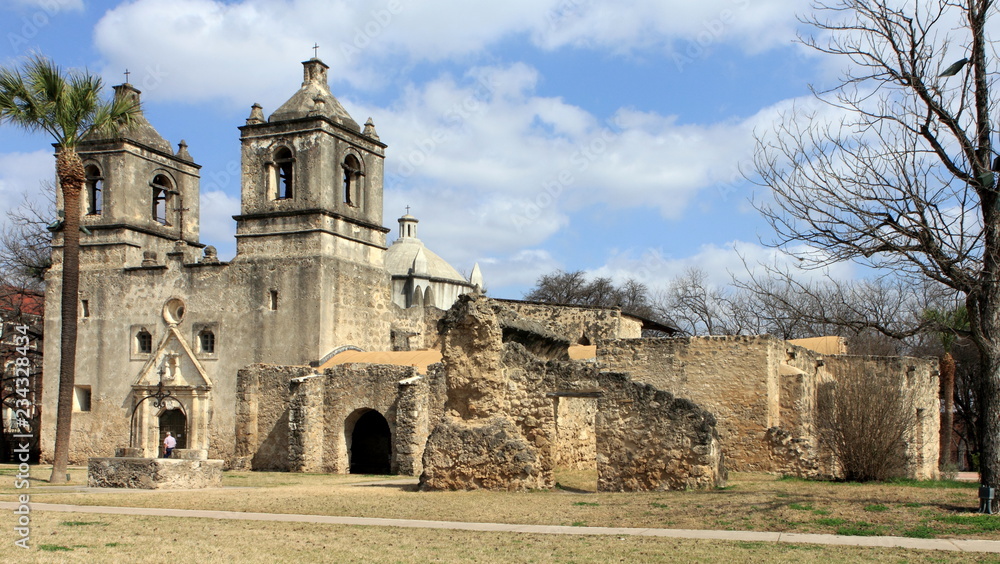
{"x": 315, "y": 50}
{"x": 126, "y": 76}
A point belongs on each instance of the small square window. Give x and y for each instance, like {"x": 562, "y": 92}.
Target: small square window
{"x": 206, "y": 341}
{"x": 144, "y": 342}
{"x": 81, "y": 398}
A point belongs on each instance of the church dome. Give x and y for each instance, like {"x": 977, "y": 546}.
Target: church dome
{"x": 407, "y": 256}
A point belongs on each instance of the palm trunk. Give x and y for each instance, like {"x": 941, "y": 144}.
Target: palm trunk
{"x": 71, "y": 175}
{"x": 947, "y": 369}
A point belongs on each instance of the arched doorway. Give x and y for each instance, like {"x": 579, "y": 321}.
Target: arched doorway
{"x": 175, "y": 421}
{"x": 371, "y": 445}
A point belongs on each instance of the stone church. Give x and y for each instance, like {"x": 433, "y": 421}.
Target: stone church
{"x": 312, "y": 273}
{"x": 320, "y": 347}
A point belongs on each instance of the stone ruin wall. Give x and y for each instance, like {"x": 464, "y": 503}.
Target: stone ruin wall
{"x": 493, "y": 415}
{"x": 794, "y": 443}
{"x": 346, "y": 391}
{"x": 292, "y": 419}
{"x": 918, "y": 378}
{"x": 262, "y": 413}
{"x": 416, "y": 328}
{"x": 498, "y": 428}
{"x": 501, "y": 430}
{"x": 576, "y": 432}
{"x": 579, "y": 324}
{"x": 732, "y": 377}
{"x": 650, "y": 440}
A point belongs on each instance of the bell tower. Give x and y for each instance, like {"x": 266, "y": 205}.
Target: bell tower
{"x": 140, "y": 195}
{"x": 310, "y": 173}
{"x": 310, "y": 223}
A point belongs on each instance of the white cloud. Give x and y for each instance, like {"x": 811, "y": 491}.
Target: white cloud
{"x": 217, "y": 225}
{"x": 514, "y": 165}
{"x": 521, "y": 269}
{"x": 25, "y": 173}
{"x": 688, "y": 29}
{"x": 52, "y": 7}
{"x": 200, "y": 49}
{"x": 656, "y": 269}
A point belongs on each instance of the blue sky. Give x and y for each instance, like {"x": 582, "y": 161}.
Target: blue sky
{"x": 527, "y": 136}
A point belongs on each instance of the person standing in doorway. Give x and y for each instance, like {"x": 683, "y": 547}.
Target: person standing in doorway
{"x": 168, "y": 445}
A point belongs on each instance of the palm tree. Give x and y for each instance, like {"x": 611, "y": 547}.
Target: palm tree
{"x": 951, "y": 324}
{"x": 68, "y": 106}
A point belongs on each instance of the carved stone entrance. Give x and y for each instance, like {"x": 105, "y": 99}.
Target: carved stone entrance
{"x": 171, "y": 393}
{"x": 174, "y": 421}
{"x": 371, "y": 445}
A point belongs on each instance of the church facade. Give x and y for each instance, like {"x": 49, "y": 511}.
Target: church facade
{"x": 161, "y": 314}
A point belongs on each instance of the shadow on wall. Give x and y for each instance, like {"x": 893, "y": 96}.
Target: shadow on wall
{"x": 272, "y": 453}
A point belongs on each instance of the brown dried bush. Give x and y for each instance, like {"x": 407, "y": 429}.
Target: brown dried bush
{"x": 864, "y": 419}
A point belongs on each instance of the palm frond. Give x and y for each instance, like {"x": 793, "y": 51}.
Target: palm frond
{"x": 67, "y": 105}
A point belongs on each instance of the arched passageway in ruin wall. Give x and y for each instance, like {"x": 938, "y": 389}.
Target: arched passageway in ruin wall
{"x": 371, "y": 444}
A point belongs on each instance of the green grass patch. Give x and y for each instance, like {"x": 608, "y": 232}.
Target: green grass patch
{"x": 788, "y": 478}
{"x": 977, "y": 523}
{"x": 821, "y": 512}
{"x": 860, "y": 529}
{"x": 54, "y": 548}
{"x": 876, "y": 508}
{"x": 800, "y": 506}
{"x": 660, "y": 505}
{"x": 579, "y": 523}
{"x": 801, "y": 546}
{"x": 921, "y": 532}
{"x": 750, "y": 544}
{"x": 830, "y": 521}
{"x": 112, "y": 544}
{"x": 935, "y": 484}
{"x": 81, "y": 523}
{"x": 590, "y": 503}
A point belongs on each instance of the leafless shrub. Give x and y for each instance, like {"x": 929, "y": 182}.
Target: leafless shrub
{"x": 863, "y": 419}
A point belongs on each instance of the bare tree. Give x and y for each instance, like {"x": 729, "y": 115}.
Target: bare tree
{"x": 695, "y": 305}
{"x": 903, "y": 180}
{"x": 574, "y": 288}
{"x": 26, "y": 242}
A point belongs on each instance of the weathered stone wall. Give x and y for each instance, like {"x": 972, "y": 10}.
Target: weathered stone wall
{"x": 501, "y": 425}
{"x": 649, "y": 440}
{"x": 734, "y": 378}
{"x": 919, "y": 380}
{"x": 153, "y": 473}
{"x": 576, "y": 435}
{"x": 262, "y": 416}
{"x": 477, "y": 444}
{"x": 581, "y": 325}
{"x": 290, "y": 418}
{"x": 350, "y": 390}
{"x": 416, "y": 328}
{"x": 762, "y": 391}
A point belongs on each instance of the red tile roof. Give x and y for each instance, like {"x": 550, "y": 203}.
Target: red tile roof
{"x": 21, "y": 300}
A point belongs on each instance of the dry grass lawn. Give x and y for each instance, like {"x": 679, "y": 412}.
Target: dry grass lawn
{"x": 110, "y": 538}
{"x": 751, "y": 502}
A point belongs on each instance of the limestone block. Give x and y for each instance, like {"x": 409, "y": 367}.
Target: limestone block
{"x": 153, "y": 473}
{"x": 485, "y": 454}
